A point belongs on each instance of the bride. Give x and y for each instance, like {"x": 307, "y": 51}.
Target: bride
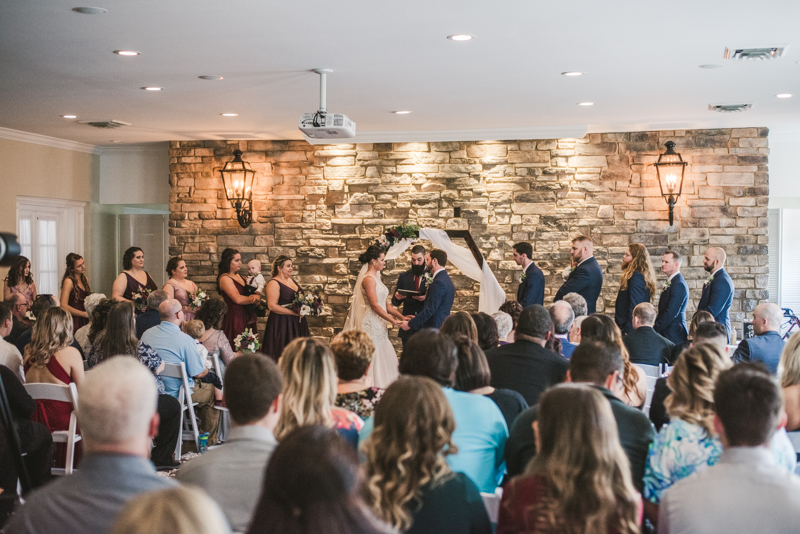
{"x": 369, "y": 314}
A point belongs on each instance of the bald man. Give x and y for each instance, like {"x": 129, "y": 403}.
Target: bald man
{"x": 718, "y": 290}
{"x": 767, "y": 344}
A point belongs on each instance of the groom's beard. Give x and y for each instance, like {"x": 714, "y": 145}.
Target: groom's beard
{"x": 418, "y": 270}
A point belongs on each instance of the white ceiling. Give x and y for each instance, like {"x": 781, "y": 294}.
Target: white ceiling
{"x": 641, "y": 61}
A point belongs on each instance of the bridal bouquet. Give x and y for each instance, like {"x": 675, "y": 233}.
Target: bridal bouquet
{"x": 261, "y": 308}
{"x": 247, "y": 342}
{"x": 395, "y": 234}
{"x": 197, "y": 299}
{"x": 307, "y": 303}
{"x": 140, "y": 298}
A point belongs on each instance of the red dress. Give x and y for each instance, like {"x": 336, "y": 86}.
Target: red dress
{"x": 238, "y": 317}
{"x": 283, "y": 329}
{"x": 76, "y": 298}
{"x": 134, "y": 286}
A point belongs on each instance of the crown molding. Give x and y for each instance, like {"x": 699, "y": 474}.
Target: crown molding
{"x": 37, "y": 139}
{"x": 137, "y": 149}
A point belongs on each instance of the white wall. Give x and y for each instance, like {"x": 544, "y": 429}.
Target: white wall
{"x": 784, "y": 169}
{"x": 135, "y": 174}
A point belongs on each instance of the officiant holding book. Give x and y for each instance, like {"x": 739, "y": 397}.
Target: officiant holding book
{"x": 410, "y": 290}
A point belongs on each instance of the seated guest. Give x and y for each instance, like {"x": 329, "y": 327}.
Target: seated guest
{"x": 580, "y": 480}
{"x": 488, "y": 336}
{"x": 99, "y": 316}
{"x": 177, "y": 348}
{"x": 575, "y": 331}
{"x": 745, "y": 491}
{"x": 460, "y": 323}
{"x": 409, "y": 483}
{"x": 119, "y": 339}
{"x": 562, "y": 316}
{"x": 352, "y": 350}
{"x": 766, "y": 346}
{"x": 505, "y": 324}
{"x": 19, "y": 308}
{"x": 525, "y": 366}
{"x": 150, "y": 317}
{"x": 514, "y": 309}
{"x": 473, "y": 376}
{"x": 578, "y": 304}
{"x": 698, "y": 318}
{"x": 481, "y": 431}
{"x": 644, "y": 345}
{"x": 211, "y": 313}
{"x": 233, "y": 474}
{"x": 598, "y": 327}
{"x": 309, "y": 391}
{"x": 10, "y": 356}
{"x": 600, "y": 366}
{"x": 312, "y": 485}
{"x": 789, "y": 374}
{"x": 181, "y": 510}
{"x": 40, "y": 304}
{"x": 117, "y": 415}
{"x": 82, "y": 335}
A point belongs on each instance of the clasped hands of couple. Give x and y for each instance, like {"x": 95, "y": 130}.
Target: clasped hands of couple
{"x": 404, "y": 324}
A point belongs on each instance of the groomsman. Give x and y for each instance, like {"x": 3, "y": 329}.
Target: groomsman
{"x": 671, "y": 319}
{"x": 411, "y": 280}
{"x": 718, "y": 290}
{"x": 531, "y": 285}
{"x": 586, "y": 279}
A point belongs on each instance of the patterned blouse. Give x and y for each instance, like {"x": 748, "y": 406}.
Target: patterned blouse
{"x": 681, "y": 449}
{"x": 362, "y": 403}
{"x": 147, "y": 356}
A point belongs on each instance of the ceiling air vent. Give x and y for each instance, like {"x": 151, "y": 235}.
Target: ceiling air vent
{"x": 744, "y": 54}
{"x": 106, "y": 124}
{"x": 729, "y": 108}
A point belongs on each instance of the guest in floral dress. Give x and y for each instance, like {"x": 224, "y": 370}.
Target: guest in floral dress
{"x": 353, "y": 351}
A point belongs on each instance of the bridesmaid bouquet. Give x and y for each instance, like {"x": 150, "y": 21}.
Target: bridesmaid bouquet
{"x": 197, "y": 299}
{"x": 307, "y": 303}
{"x": 397, "y": 233}
{"x": 247, "y": 342}
{"x": 140, "y": 298}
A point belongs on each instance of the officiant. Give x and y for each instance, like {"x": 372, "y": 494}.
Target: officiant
{"x": 410, "y": 290}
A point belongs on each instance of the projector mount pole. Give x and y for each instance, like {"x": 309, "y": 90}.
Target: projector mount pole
{"x": 323, "y": 90}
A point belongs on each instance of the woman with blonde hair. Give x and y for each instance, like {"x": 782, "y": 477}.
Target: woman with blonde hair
{"x": 599, "y": 327}
{"x": 353, "y": 352}
{"x": 181, "y": 510}
{"x": 409, "y": 483}
{"x": 789, "y": 373}
{"x": 309, "y": 391}
{"x": 580, "y": 479}
{"x": 460, "y": 323}
{"x": 636, "y": 285}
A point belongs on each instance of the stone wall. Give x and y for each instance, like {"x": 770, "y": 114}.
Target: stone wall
{"x": 322, "y": 205}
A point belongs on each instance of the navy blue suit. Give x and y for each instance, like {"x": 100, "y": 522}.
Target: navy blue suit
{"x": 628, "y": 299}
{"x": 671, "y": 319}
{"x": 765, "y": 349}
{"x": 531, "y": 289}
{"x": 717, "y": 299}
{"x": 587, "y": 281}
{"x": 409, "y": 305}
{"x": 438, "y": 302}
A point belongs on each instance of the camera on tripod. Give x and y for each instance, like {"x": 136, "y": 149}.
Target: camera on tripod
{"x": 9, "y": 248}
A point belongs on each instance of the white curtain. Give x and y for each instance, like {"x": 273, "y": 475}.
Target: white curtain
{"x": 47, "y": 257}
{"x": 491, "y": 295}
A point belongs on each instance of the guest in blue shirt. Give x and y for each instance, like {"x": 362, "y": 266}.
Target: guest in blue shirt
{"x": 481, "y": 430}
{"x": 766, "y": 347}
{"x": 562, "y": 316}
{"x": 177, "y": 348}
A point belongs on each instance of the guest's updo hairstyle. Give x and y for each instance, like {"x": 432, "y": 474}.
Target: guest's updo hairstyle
{"x": 127, "y": 258}
{"x": 278, "y": 264}
{"x": 373, "y": 252}
{"x": 172, "y": 264}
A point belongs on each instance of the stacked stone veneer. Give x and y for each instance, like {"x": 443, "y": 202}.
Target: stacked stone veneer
{"x": 322, "y": 205}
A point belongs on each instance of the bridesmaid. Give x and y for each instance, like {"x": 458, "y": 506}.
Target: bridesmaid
{"x": 283, "y": 324}
{"x": 74, "y": 290}
{"x": 19, "y": 280}
{"x": 231, "y": 287}
{"x": 133, "y": 278}
{"x": 179, "y": 287}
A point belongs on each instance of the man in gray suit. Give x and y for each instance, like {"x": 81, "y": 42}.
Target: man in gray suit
{"x": 232, "y": 473}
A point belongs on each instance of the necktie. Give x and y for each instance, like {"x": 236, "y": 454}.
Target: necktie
{"x": 416, "y": 283}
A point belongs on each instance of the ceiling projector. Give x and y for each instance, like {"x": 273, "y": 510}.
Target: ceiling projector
{"x": 324, "y": 125}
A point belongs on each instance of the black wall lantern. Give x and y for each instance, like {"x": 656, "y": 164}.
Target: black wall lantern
{"x": 237, "y": 179}
{"x": 670, "y": 168}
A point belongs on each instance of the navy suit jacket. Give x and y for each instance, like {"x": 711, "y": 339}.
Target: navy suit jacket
{"x": 671, "y": 319}
{"x": 438, "y": 302}
{"x": 531, "y": 289}
{"x": 587, "y": 281}
{"x": 717, "y": 299}
{"x": 628, "y": 299}
{"x": 409, "y": 305}
{"x": 765, "y": 349}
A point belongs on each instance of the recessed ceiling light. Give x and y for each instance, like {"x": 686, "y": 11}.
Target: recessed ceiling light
{"x": 89, "y": 10}
{"x": 460, "y": 37}
{"x": 229, "y": 114}
{"x": 210, "y": 77}
{"x": 401, "y": 112}
{"x": 710, "y": 66}
{"x": 153, "y": 88}
{"x": 69, "y": 116}
{"x": 586, "y": 103}
{"x": 572, "y": 73}
{"x": 784, "y": 95}
{"x": 127, "y": 52}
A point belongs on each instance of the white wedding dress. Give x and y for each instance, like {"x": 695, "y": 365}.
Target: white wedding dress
{"x": 383, "y": 370}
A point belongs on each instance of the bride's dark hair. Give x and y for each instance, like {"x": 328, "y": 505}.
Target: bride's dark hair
{"x": 373, "y": 252}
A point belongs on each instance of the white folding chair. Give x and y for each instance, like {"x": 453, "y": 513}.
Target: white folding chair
{"x": 492, "y": 503}
{"x": 63, "y": 393}
{"x": 648, "y": 399}
{"x": 650, "y": 370}
{"x": 224, "y": 413}
{"x": 188, "y": 424}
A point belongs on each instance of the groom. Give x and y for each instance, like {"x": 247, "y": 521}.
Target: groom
{"x": 439, "y": 297}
